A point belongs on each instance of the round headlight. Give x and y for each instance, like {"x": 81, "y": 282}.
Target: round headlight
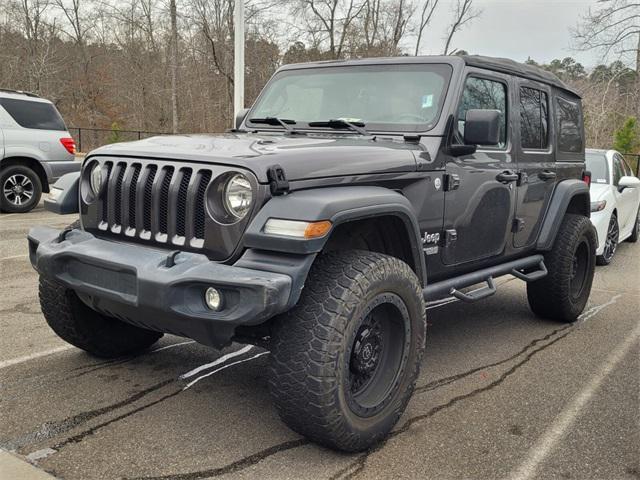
{"x": 237, "y": 196}
{"x": 95, "y": 177}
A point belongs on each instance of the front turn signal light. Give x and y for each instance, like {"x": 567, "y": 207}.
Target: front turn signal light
{"x": 297, "y": 228}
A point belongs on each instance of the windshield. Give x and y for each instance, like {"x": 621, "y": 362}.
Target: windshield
{"x": 396, "y": 98}
{"x": 597, "y": 165}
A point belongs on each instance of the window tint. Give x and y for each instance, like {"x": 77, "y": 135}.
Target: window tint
{"x": 27, "y": 114}
{"x": 569, "y": 126}
{"x": 533, "y": 118}
{"x": 481, "y": 93}
{"x": 597, "y": 165}
{"x": 627, "y": 169}
{"x": 618, "y": 171}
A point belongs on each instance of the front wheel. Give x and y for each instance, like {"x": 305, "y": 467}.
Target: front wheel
{"x": 563, "y": 293}
{"x": 82, "y": 327}
{"x": 610, "y": 242}
{"x": 346, "y": 358}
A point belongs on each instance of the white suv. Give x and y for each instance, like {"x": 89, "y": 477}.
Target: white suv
{"x": 35, "y": 149}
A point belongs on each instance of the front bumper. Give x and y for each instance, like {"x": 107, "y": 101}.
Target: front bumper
{"x": 143, "y": 286}
{"x": 600, "y": 221}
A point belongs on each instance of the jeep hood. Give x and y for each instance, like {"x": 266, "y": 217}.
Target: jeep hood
{"x": 302, "y": 156}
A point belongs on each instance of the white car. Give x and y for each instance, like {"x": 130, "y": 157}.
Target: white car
{"x": 615, "y": 201}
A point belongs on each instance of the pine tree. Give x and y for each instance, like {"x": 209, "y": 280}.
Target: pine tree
{"x": 627, "y": 137}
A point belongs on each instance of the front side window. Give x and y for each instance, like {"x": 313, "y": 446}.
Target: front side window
{"x": 30, "y": 114}
{"x": 484, "y": 94}
{"x": 570, "y": 135}
{"x": 382, "y": 97}
{"x": 533, "y": 118}
{"x": 618, "y": 169}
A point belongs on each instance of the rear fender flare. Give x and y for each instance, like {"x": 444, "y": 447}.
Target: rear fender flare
{"x": 569, "y": 196}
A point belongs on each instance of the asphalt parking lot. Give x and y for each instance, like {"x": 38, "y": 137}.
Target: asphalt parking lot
{"x": 502, "y": 394}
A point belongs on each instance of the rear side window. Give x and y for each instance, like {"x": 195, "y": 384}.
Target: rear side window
{"x": 39, "y": 115}
{"x": 533, "y": 118}
{"x": 569, "y": 126}
{"x": 482, "y": 93}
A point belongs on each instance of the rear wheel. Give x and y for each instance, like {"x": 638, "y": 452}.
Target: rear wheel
{"x": 563, "y": 293}
{"x": 610, "y": 242}
{"x": 346, "y": 358}
{"x": 21, "y": 189}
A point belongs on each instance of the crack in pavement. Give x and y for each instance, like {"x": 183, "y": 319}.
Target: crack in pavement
{"x": 51, "y": 429}
{"x": 233, "y": 467}
{"x": 358, "y": 466}
{"x": 441, "y": 382}
{"x": 253, "y": 459}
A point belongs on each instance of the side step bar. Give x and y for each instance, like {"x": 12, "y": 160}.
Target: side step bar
{"x": 452, "y": 286}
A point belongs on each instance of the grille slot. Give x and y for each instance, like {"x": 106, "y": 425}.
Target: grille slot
{"x": 147, "y": 197}
{"x": 199, "y": 206}
{"x": 155, "y": 202}
{"x": 132, "y": 195}
{"x": 182, "y": 202}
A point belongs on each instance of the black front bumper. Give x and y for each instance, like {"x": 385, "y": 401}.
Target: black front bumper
{"x": 143, "y": 286}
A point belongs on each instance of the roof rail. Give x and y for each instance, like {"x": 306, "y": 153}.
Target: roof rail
{"x": 21, "y": 92}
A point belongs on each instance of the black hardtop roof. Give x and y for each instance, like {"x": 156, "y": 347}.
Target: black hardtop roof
{"x": 496, "y": 64}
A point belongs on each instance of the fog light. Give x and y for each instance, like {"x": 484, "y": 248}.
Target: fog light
{"x": 213, "y": 299}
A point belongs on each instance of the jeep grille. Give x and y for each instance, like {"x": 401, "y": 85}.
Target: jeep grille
{"x": 157, "y": 202}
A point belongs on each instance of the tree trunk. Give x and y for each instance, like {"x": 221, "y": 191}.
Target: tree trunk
{"x": 174, "y": 66}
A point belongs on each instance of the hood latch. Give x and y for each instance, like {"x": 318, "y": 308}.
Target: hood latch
{"x": 277, "y": 180}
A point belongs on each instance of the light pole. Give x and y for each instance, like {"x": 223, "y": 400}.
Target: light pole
{"x": 238, "y": 59}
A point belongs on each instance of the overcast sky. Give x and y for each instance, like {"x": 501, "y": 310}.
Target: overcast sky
{"x": 516, "y": 29}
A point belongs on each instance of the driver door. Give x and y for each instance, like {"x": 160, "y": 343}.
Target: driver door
{"x": 480, "y": 188}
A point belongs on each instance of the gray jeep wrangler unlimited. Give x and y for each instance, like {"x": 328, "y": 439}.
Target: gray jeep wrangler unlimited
{"x": 348, "y": 195}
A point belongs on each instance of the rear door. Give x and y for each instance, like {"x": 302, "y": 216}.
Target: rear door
{"x": 536, "y": 163}
{"x": 625, "y": 200}
{"x": 480, "y": 195}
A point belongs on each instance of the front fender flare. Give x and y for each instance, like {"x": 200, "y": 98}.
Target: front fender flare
{"x": 338, "y": 205}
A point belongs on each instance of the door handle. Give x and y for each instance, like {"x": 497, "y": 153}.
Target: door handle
{"x": 547, "y": 175}
{"x": 507, "y": 176}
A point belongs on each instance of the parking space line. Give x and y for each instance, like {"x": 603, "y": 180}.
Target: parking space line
{"x": 222, "y": 368}
{"x": 220, "y": 360}
{"x": 171, "y": 346}
{"x": 15, "y": 256}
{"x": 32, "y": 356}
{"x": 563, "y": 422}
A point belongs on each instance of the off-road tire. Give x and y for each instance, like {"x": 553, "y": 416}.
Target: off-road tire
{"x": 606, "y": 259}
{"x": 82, "y": 327}
{"x": 551, "y": 297}
{"x": 312, "y": 346}
{"x": 6, "y": 205}
{"x": 635, "y": 233}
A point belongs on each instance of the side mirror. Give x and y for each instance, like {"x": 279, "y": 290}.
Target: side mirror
{"x": 482, "y": 127}
{"x": 628, "y": 182}
{"x": 240, "y": 117}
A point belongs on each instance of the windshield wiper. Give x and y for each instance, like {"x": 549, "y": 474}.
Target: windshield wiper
{"x": 341, "y": 123}
{"x": 283, "y": 122}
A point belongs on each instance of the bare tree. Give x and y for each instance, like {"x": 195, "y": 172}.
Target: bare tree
{"x": 428, "y": 9}
{"x": 331, "y": 20}
{"x": 464, "y": 13}
{"x": 174, "y": 65}
{"x": 613, "y": 27}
